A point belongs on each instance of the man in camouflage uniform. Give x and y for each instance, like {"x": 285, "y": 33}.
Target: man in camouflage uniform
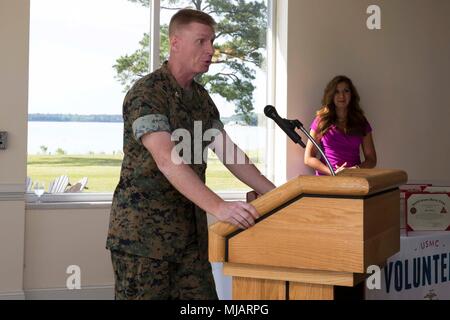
{"x": 158, "y": 233}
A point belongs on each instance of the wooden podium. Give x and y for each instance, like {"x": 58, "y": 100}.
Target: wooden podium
{"x": 314, "y": 233}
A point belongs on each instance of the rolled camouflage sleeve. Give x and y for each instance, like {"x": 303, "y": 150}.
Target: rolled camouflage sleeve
{"x": 150, "y": 123}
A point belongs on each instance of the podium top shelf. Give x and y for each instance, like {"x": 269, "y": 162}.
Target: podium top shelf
{"x": 358, "y": 182}
{"x": 354, "y": 182}
{"x": 351, "y": 182}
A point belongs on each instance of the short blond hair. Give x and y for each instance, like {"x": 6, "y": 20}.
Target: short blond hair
{"x": 186, "y": 16}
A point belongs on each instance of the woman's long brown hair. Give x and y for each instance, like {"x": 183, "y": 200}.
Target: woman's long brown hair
{"x": 356, "y": 120}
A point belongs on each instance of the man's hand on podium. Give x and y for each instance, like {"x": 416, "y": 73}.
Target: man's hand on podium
{"x": 238, "y": 213}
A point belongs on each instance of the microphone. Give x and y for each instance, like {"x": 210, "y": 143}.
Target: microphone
{"x": 287, "y": 126}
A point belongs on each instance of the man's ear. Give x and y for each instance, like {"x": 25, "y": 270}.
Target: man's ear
{"x": 174, "y": 43}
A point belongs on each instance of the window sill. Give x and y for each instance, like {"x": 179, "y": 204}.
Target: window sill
{"x": 67, "y": 205}
{"x": 94, "y": 200}
{"x": 68, "y": 201}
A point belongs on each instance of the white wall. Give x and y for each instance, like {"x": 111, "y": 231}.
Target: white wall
{"x": 401, "y": 72}
{"x": 14, "y": 23}
{"x": 11, "y": 248}
{"x": 58, "y": 238}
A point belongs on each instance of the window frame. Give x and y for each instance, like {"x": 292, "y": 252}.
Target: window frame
{"x": 102, "y": 199}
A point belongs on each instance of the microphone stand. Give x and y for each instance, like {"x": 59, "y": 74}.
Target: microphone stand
{"x": 297, "y": 124}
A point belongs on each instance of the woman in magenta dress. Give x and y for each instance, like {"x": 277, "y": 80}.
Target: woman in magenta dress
{"x": 341, "y": 128}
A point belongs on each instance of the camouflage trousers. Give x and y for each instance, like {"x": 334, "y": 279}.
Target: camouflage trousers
{"x": 144, "y": 278}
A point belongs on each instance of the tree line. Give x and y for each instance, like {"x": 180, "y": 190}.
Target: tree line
{"x": 60, "y": 117}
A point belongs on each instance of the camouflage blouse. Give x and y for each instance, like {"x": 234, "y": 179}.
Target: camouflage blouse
{"x": 149, "y": 217}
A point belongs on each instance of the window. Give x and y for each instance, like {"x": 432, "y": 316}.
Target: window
{"x": 75, "y": 96}
{"x": 237, "y": 79}
{"x": 85, "y": 54}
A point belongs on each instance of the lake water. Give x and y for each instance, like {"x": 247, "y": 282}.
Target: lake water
{"x": 98, "y": 137}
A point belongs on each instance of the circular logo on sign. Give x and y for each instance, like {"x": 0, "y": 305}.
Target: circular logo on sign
{"x": 413, "y": 210}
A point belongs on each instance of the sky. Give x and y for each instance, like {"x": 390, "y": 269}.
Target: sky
{"x": 73, "y": 47}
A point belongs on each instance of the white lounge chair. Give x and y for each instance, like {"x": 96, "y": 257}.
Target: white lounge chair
{"x": 28, "y": 184}
{"x": 59, "y": 185}
{"x": 79, "y": 186}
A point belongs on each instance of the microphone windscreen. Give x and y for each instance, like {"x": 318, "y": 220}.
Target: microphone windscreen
{"x": 269, "y": 111}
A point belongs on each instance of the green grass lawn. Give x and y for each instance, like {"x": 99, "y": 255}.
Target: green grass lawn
{"x": 103, "y": 171}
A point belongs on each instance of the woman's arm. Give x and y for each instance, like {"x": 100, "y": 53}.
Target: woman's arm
{"x": 370, "y": 155}
{"x": 310, "y": 155}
